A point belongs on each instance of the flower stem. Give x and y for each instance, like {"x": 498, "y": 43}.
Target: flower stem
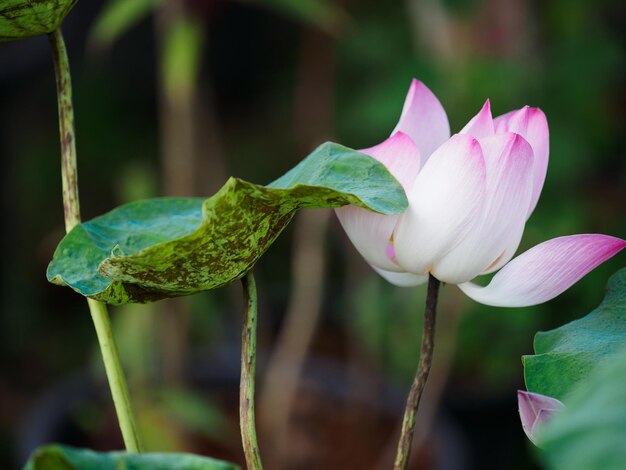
{"x": 248, "y": 368}
{"x": 423, "y": 369}
{"x": 71, "y": 209}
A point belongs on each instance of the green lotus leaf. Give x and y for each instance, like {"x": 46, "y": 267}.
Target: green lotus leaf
{"x": 591, "y": 431}
{"x": 167, "y": 247}
{"x": 566, "y": 356}
{"x": 55, "y": 457}
{"x": 27, "y": 18}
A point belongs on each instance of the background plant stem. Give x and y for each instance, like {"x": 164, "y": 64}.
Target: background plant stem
{"x": 313, "y": 117}
{"x": 248, "y": 368}
{"x": 71, "y": 209}
{"x": 423, "y": 369}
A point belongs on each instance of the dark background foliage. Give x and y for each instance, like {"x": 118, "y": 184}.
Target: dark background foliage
{"x": 271, "y": 86}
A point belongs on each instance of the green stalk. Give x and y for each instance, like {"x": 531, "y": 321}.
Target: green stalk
{"x": 115, "y": 375}
{"x": 69, "y": 173}
{"x": 71, "y": 209}
{"x": 421, "y": 375}
{"x": 248, "y": 369}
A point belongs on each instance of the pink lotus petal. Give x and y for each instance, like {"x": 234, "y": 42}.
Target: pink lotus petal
{"x": 390, "y": 251}
{"x": 531, "y": 124}
{"x": 545, "y": 271}
{"x": 535, "y": 410}
{"x": 423, "y": 119}
{"x": 481, "y": 125}
{"x": 400, "y": 156}
{"x": 509, "y": 160}
{"x": 368, "y": 231}
{"x": 444, "y": 201}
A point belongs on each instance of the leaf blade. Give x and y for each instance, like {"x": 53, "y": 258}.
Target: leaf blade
{"x": 565, "y": 357}
{"x": 23, "y": 19}
{"x": 591, "y": 431}
{"x": 56, "y": 457}
{"x": 159, "y": 248}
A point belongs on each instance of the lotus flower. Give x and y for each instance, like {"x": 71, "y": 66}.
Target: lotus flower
{"x": 535, "y": 411}
{"x": 469, "y": 198}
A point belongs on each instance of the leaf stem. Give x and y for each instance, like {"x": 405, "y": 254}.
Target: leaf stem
{"x": 69, "y": 175}
{"x": 115, "y": 375}
{"x": 248, "y": 368}
{"x": 421, "y": 375}
{"x": 71, "y": 209}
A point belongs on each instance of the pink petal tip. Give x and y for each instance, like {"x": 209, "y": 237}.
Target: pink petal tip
{"x": 535, "y": 411}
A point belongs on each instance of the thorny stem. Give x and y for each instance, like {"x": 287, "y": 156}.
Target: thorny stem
{"x": 248, "y": 368}
{"x": 423, "y": 369}
{"x": 71, "y": 208}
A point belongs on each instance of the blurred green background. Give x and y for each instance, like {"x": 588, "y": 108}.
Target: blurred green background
{"x": 189, "y": 93}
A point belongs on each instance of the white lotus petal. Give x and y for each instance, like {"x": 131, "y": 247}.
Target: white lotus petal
{"x": 370, "y": 232}
{"x": 444, "y": 201}
{"x": 402, "y": 279}
{"x": 506, "y": 255}
{"x": 508, "y": 159}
